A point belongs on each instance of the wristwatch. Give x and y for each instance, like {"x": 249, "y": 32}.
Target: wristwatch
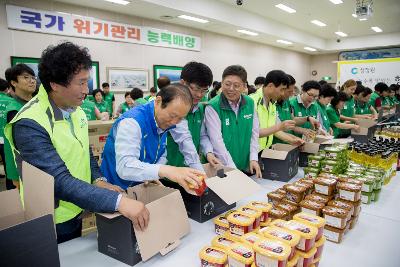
{"x": 103, "y": 179}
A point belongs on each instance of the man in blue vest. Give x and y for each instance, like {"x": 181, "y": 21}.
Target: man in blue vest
{"x": 135, "y": 148}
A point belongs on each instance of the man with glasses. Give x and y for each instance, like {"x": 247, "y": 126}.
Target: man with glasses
{"x": 23, "y": 82}
{"x": 191, "y": 131}
{"x": 232, "y": 123}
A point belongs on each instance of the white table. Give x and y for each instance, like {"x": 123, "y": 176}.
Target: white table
{"x": 373, "y": 242}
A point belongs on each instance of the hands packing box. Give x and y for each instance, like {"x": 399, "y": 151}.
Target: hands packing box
{"x": 281, "y": 162}
{"x": 98, "y": 132}
{"x": 27, "y": 232}
{"x": 367, "y": 130}
{"x": 168, "y": 223}
{"x": 225, "y": 186}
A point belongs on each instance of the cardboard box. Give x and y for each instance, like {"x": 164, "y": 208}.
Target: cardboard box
{"x": 281, "y": 162}
{"x": 367, "y": 130}
{"x": 27, "y": 232}
{"x": 98, "y": 132}
{"x": 168, "y": 224}
{"x": 225, "y": 186}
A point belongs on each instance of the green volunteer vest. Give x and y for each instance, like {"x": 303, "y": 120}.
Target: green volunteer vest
{"x": 236, "y": 130}
{"x": 284, "y": 114}
{"x": 362, "y": 108}
{"x": 334, "y": 117}
{"x": 300, "y": 110}
{"x": 348, "y": 108}
{"x": 108, "y": 98}
{"x": 125, "y": 107}
{"x": 90, "y": 98}
{"x": 324, "y": 116}
{"x": 4, "y": 101}
{"x": 70, "y": 141}
{"x": 195, "y": 120}
{"x": 89, "y": 108}
{"x": 386, "y": 101}
{"x": 372, "y": 99}
{"x": 103, "y": 106}
{"x": 266, "y": 118}
{"x": 141, "y": 101}
{"x": 393, "y": 100}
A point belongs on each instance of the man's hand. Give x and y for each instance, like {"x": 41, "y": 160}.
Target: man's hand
{"x": 314, "y": 123}
{"x": 109, "y": 186}
{"x": 213, "y": 160}
{"x": 287, "y": 125}
{"x": 255, "y": 168}
{"x": 183, "y": 176}
{"x": 356, "y": 128}
{"x": 297, "y": 141}
{"x": 135, "y": 211}
{"x": 331, "y": 131}
{"x": 310, "y": 133}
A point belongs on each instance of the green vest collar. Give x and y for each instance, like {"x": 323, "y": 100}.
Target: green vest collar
{"x": 224, "y": 103}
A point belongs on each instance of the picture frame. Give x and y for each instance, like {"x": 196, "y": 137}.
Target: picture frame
{"x": 123, "y": 79}
{"x": 172, "y": 72}
{"x": 33, "y": 63}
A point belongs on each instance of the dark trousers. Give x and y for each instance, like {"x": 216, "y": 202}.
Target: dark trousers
{"x": 9, "y": 183}
{"x": 69, "y": 230}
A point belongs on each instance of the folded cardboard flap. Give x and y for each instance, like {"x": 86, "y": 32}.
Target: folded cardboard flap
{"x": 366, "y": 123}
{"x": 311, "y": 148}
{"x": 277, "y": 151}
{"x": 11, "y": 211}
{"x": 98, "y": 127}
{"x": 211, "y": 172}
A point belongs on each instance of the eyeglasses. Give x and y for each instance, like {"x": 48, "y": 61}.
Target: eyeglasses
{"x": 236, "y": 86}
{"x": 29, "y": 78}
{"x": 313, "y": 96}
{"x": 198, "y": 89}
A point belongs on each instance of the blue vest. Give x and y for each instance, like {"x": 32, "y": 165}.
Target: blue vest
{"x": 152, "y": 144}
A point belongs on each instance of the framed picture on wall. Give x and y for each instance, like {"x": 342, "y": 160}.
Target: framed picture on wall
{"x": 124, "y": 79}
{"x": 172, "y": 72}
{"x": 33, "y": 63}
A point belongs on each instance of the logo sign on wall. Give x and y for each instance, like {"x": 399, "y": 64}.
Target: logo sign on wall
{"x": 370, "y": 72}
{"x": 60, "y": 23}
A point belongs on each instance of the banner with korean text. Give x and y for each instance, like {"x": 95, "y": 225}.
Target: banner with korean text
{"x": 60, "y": 23}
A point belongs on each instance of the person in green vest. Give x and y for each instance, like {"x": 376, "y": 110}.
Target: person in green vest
{"x": 197, "y": 77}
{"x": 333, "y": 112}
{"x": 51, "y": 133}
{"x": 22, "y": 80}
{"x": 137, "y": 97}
{"x": 305, "y": 110}
{"x": 90, "y": 109}
{"x": 109, "y": 98}
{"x": 326, "y": 95}
{"x": 347, "y": 115}
{"x": 127, "y": 105}
{"x": 215, "y": 91}
{"x": 4, "y": 100}
{"x": 391, "y": 98}
{"x": 378, "y": 96}
{"x": 265, "y": 98}
{"x": 101, "y": 105}
{"x": 363, "y": 109}
{"x": 152, "y": 94}
{"x": 232, "y": 123}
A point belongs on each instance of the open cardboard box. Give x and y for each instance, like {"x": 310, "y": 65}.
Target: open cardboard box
{"x": 225, "y": 186}
{"x": 367, "y": 130}
{"x": 27, "y": 232}
{"x": 98, "y": 132}
{"x": 168, "y": 224}
{"x": 281, "y": 162}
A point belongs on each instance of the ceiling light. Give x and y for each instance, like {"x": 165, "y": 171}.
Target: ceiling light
{"x": 376, "y": 29}
{"x": 336, "y": 2}
{"x": 310, "y": 49}
{"x": 121, "y": 2}
{"x": 285, "y": 8}
{"x": 193, "y": 18}
{"x": 284, "y": 42}
{"x": 318, "y": 23}
{"x": 248, "y": 32}
{"x": 354, "y": 15}
{"x": 363, "y": 19}
{"x": 342, "y": 34}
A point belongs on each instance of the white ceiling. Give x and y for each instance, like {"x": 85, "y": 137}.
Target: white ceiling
{"x": 272, "y": 23}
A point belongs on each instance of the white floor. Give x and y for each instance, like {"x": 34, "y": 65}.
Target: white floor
{"x": 374, "y": 242}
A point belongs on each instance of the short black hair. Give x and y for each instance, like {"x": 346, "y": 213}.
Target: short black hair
{"x": 381, "y": 87}
{"x": 367, "y": 91}
{"x": 394, "y": 87}
{"x": 322, "y": 82}
{"x": 127, "y": 93}
{"x": 327, "y": 91}
{"x": 197, "y": 73}
{"x": 174, "y": 91}
{"x": 214, "y": 83}
{"x": 307, "y": 86}
{"x": 235, "y": 70}
{"x": 4, "y": 85}
{"x": 15, "y": 71}
{"x": 214, "y": 91}
{"x": 259, "y": 80}
{"x": 359, "y": 89}
{"x": 277, "y": 77}
{"x": 136, "y": 93}
{"x": 95, "y": 91}
{"x": 60, "y": 63}
{"x": 341, "y": 96}
{"x": 251, "y": 89}
{"x": 153, "y": 90}
{"x": 163, "y": 81}
{"x": 292, "y": 80}
{"x": 105, "y": 85}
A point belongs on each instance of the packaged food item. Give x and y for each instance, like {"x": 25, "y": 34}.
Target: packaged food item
{"x": 281, "y": 190}
{"x": 313, "y": 220}
{"x": 333, "y": 234}
{"x": 306, "y": 258}
{"x": 278, "y": 223}
{"x": 332, "y": 152}
{"x": 213, "y": 257}
{"x": 287, "y": 201}
{"x": 276, "y": 213}
{"x": 335, "y": 217}
{"x": 295, "y": 193}
{"x": 264, "y": 207}
{"x": 200, "y": 190}
{"x": 311, "y": 207}
{"x": 250, "y": 238}
{"x": 293, "y": 261}
{"x": 347, "y": 205}
{"x": 315, "y": 262}
{"x": 275, "y": 197}
{"x": 256, "y": 214}
{"x": 240, "y": 224}
{"x": 284, "y": 235}
{"x": 230, "y": 236}
{"x": 226, "y": 214}
{"x": 328, "y": 175}
{"x": 314, "y": 161}
{"x": 325, "y": 186}
{"x": 368, "y": 184}
{"x": 344, "y": 179}
{"x": 319, "y": 198}
{"x": 366, "y": 197}
{"x": 328, "y": 166}
{"x": 240, "y": 255}
{"x": 348, "y": 191}
{"x": 310, "y": 138}
{"x": 353, "y": 222}
{"x": 309, "y": 186}
{"x": 319, "y": 245}
{"x": 221, "y": 225}
{"x": 271, "y": 252}
{"x": 377, "y": 193}
{"x": 290, "y": 209}
{"x": 307, "y": 234}
{"x": 355, "y": 204}
{"x": 347, "y": 228}
{"x": 265, "y": 224}
{"x": 222, "y": 242}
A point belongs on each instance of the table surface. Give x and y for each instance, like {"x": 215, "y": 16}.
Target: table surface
{"x": 373, "y": 242}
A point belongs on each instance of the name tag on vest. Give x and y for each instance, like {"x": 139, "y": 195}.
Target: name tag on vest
{"x": 227, "y": 122}
{"x": 299, "y": 114}
{"x": 247, "y": 116}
